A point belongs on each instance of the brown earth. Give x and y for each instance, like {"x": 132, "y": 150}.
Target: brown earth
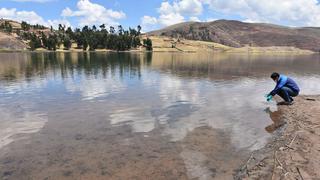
{"x": 295, "y": 150}
{"x": 12, "y": 41}
{"x": 9, "y": 42}
{"x": 240, "y": 34}
{"x": 168, "y": 44}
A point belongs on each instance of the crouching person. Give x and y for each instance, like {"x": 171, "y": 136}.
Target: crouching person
{"x": 286, "y": 88}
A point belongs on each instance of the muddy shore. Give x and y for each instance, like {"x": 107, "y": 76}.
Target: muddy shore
{"x": 294, "y": 151}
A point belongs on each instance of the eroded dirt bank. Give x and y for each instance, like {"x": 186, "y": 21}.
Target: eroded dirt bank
{"x": 295, "y": 150}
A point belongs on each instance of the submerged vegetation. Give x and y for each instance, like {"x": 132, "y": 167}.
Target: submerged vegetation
{"x": 85, "y": 38}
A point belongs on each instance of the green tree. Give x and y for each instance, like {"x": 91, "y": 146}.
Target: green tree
{"x": 87, "y": 37}
{"x": 61, "y": 28}
{"x": 35, "y": 42}
{"x": 25, "y": 26}
{"x": 78, "y": 38}
{"x": 112, "y": 30}
{"x": 6, "y": 26}
{"x": 102, "y": 26}
{"x": 67, "y": 43}
{"x": 44, "y": 40}
{"x": 70, "y": 33}
{"x": 139, "y": 29}
{"x": 148, "y": 44}
{"x": 120, "y": 30}
{"x": 52, "y": 42}
{"x": 85, "y": 45}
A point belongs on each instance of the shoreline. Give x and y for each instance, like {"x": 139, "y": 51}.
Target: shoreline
{"x": 173, "y": 45}
{"x": 294, "y": 150}
{"x": 230, "y": 51}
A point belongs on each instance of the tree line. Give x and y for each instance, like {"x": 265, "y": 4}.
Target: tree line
{"x": 6, "y": 27}
{"x": 26, "y": 27}
{"x": 87, "y": 38}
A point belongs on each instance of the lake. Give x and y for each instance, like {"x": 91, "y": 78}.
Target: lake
{"x": 138, "y": 115}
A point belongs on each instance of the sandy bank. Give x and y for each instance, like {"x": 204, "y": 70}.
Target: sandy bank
{"x": 294, "y": 151}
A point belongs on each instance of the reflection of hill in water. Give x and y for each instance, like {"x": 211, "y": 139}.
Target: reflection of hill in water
{"x": 14, "y": 66}
{"x": 229, "y": 66}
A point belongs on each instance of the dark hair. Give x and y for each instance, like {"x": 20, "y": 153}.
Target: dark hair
{"x": 275, "y": 75}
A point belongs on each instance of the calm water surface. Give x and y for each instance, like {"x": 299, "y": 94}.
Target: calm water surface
{"x": 137, "y": 116}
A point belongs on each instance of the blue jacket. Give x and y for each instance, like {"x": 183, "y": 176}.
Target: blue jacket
{"x": 287, "y": 82}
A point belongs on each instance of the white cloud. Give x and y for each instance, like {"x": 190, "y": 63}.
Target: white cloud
{"x": 148, "y": 22}
{"x": 211, "y": 19}
{"x": 166, "y": 8}
{"x": 170, "y": 19}
{"x": 173, "y": 13}
{"x": 196, "y": 19}
{"x": 169, "y": 14}
{"x": 185, "y": 7}
{"x": 189, "y": 7}
{"x": 66, "y": 12}
{"x": 92, "y": 13}
{"x": 95, "y": 88}
{"x": 55, "y": 23}
{"x": 30, "y": 17}
{"x": 294, "y": 13}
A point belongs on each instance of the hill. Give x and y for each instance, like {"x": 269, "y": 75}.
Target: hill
{"x": 11, "y": 32}
{"x": 239, "y": 34}
{"x": 9, "y": 42}
{"x": 221, "y": 35}
{"x": 40, "y": 38}
{"x": 169, "y": 44}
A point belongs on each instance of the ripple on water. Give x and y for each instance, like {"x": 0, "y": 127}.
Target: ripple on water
{"x": 139, "y": 119}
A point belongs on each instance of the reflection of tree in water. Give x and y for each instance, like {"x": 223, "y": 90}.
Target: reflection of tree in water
{"x": 9, "y": 74}
{"x": 73, "y": 64}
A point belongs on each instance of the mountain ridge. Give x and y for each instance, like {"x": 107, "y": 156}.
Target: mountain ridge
{"x": 231, "y": 33}
{"x": 240, "y": 34}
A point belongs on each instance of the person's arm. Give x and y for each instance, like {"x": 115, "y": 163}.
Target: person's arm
{"x": 282, "y": 81}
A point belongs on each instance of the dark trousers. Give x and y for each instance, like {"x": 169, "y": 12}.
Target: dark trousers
{"x": 287, "y": 93}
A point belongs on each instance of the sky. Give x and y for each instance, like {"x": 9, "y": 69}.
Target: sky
{"x": 155, "y": 14}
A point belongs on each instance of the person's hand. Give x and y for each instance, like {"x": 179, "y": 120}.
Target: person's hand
{"x": 269, "y": 97}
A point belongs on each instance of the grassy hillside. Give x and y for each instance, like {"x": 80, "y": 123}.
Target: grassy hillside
{"x": 10, "y": 38}
{"x": 222, "y": 36}
{"x": 169, "y": 44}
{"x": 9, "y": 42}
{"x": 239, "y": 34}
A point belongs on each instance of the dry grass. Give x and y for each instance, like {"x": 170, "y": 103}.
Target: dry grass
{"x": 165, "y": 44}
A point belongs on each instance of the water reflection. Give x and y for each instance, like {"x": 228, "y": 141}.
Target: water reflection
{"x": 203, "y": 111}
{"x": 277, "y": 122}
{"x": 16, "y": 123}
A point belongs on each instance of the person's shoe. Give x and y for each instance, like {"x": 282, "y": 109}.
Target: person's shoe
{"x": 287, "y": 103}
{"x": 291, "y": 99}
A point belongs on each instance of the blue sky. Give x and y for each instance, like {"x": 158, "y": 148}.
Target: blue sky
{"x": 154, "y": 14}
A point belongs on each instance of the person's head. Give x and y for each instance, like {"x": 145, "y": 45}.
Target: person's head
{"x": 275, "y": 76}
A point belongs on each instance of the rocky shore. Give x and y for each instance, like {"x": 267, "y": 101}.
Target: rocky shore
{"x": 294, "y": 151}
